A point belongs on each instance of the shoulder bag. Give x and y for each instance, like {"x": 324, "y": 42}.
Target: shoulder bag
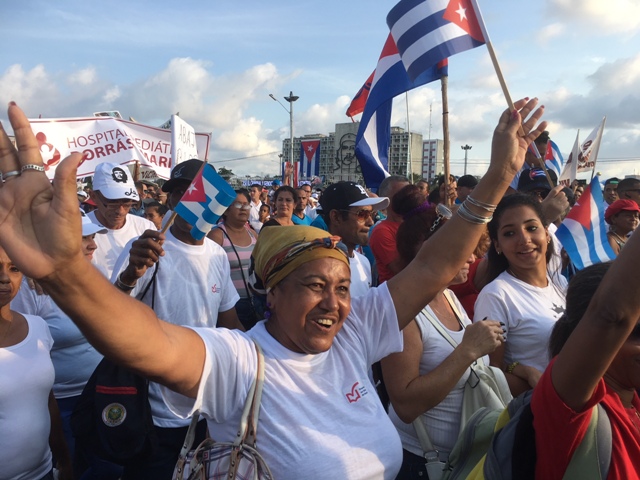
{"x": 239, "y": 459}
{"x": 486, "y": 386}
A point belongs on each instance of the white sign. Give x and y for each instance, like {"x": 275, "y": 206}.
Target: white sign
{"x": 107, "y": 139}
{"x": 183, "y": 140}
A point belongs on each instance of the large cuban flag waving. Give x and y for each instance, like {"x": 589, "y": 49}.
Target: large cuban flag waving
{"x": 309, "y": 158}
{"x": 583, "y": 232}
{"x": 204, "y": 202}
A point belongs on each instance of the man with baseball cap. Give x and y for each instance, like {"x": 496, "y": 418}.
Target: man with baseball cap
{"x": 347, "y": 209}
{"x": 193, "y": 287}
{"x": 114, "y": 193}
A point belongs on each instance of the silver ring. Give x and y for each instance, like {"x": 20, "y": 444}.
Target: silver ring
{"x": 31, "y": 166}
{"x": 12, "y": 173}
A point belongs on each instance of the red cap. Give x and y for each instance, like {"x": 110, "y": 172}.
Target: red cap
{"x": 618, "y": 206}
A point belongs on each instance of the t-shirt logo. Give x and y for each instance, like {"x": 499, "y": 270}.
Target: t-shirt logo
{"x": 358, "y": 390}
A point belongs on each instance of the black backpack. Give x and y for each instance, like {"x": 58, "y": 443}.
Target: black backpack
{"x": 112, "y": 418}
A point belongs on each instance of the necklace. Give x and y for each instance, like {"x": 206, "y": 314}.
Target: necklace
{"x": 614, "y": 234}
{"x": 6, "y": 332}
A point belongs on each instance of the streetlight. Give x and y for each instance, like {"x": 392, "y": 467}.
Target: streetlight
{"x": 466, "y": 149}
{"x": 291, "y": 98}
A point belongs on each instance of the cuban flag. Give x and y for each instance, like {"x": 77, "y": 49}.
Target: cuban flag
{"x": 360, "y": 100}
{"x": 204, "y": 202}
{"x": 374, "y": 134}
{"x": 309, "y": 158}
{"x": 583, "y": 232}
{"x": 553, "y": 158}
{"x": 426, "y": 31}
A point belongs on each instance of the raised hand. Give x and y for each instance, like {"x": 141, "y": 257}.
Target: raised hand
{"x": 509, "y": 146}
{"x": 39, "y": 224}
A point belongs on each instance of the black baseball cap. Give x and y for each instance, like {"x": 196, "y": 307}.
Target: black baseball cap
{"x": 183, "y": 172}
{"x": 342, "y": 195}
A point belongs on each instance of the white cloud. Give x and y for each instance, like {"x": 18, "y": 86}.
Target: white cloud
{"x": 612, "y": 16}
{"x": 549, "y": 33}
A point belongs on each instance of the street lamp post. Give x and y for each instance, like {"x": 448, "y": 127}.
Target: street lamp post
{"x": 291, "y": 98}
{"x": 466, "y": 149}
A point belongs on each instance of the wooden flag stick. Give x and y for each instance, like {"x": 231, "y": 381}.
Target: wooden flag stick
{"x": 444, "y": 81}
{"x": 503, "y": 83}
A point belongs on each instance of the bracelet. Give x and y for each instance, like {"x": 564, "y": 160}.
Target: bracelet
{"x": 485, "y": 206}
{"x": 123, "y": 286}
{"x": 512, "y": 367}
{"x": 469, "y": 216}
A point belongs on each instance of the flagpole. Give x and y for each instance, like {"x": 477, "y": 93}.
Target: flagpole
{"x": 503, "y": 83}
{"x": 409, "y": 164}
{"x": 444, "y": 81}
{"x": 597, "y": 147}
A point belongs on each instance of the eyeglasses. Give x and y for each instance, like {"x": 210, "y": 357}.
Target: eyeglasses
{"x": 361, "y": 214}
{"x": 114, "y": 204}
{"x": 243, "y": 206}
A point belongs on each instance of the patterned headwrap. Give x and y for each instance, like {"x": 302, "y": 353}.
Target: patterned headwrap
{"x": 280, "y": 250}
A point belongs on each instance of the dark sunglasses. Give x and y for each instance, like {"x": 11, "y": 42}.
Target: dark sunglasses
{"x": 361, "y": 214}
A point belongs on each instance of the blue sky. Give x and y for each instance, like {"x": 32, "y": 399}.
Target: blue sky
{"x": 217, "y": 62}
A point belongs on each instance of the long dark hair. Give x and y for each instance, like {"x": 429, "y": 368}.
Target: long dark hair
{"x": 499, "y": 263}
{"x": 285, "y": 188}
{"x": 419, "y": 217}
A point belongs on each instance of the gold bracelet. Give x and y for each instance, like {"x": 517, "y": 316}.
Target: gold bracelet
{"x": 512, "y": 367}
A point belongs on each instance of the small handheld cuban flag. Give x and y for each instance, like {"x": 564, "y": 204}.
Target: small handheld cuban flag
{"x": 204, "y": 202}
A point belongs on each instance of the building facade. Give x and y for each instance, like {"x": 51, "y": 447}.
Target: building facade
{"x": 432, "y": 158}
{"x": 338, "y": 161}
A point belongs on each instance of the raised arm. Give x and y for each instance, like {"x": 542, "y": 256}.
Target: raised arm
{"x": 445, "y": 252}
{"x": 40, "y": 231}
{"x": 610, "y": 317}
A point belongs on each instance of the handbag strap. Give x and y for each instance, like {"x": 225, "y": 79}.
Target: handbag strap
{"x": 249, "y": 419}
{"x": 441, "y": 330}
{"x": 252, "y": 410}
{"x": 244, "y": 280}
{"x": 429, "y": 451}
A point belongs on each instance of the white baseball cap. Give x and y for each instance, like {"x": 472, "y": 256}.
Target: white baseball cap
{"x": 114, "y": 182}
{"x": 88, "y": 227}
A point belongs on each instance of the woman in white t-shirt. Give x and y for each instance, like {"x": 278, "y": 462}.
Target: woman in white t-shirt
{"x": 426, "y": 380}
{"x": 319, "y": 415}
{"x": 26, "y": 400}
{"x": 522, "y": 294}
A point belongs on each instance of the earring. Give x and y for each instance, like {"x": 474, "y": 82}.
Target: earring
{"x": 499, "y": 252}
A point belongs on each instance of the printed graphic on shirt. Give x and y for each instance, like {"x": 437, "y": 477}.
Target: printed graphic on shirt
{"x": 358, "y": 390}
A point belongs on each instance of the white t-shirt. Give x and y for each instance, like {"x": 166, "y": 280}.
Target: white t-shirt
{"x": 111, "y": 244}
{"x": 74, "y": 359}
{"x": 360, "y": 274}
{"x": 254, "y": 216}
{"x": 528, "y": 313}
{"x": 193, "y": 284}
{"x": 320, "y": 416}
{"x": 26, "y": 378}
{"x": 442, "y": 421}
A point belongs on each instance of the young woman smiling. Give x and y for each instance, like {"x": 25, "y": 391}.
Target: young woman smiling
{"x": 522, "y": 295}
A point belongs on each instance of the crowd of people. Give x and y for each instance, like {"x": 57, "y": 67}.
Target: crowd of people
{"x": 348, "y": 301}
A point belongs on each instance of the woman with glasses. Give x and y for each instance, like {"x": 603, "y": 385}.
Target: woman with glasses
{"x": 320, "y": 417}
{"x": 426, "y": 380}
{"x": 238, "y": 239}
{"x": 521, "y": 293}
{"x": 284, "y": 201}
